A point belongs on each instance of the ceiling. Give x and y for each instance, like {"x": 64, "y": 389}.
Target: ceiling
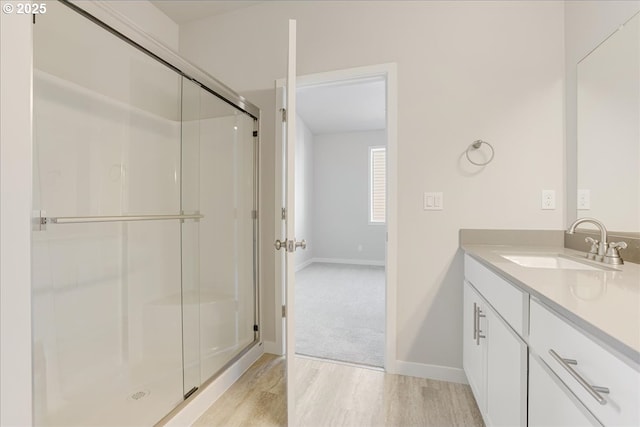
{"x": 351, "y": 106}
{"x": 348, "y": 106}
{"x": 183, "y": 11}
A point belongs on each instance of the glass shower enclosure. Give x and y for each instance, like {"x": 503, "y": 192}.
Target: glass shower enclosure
{"x": 144, "y": 249}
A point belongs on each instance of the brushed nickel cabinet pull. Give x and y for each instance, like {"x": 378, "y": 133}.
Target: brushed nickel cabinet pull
{"x": 594, "y": 391}
{"x": 475, "y": 321}
{"x": 478, "y": 330}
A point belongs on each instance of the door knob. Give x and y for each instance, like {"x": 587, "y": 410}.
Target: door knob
{"x": 289, "y": 245}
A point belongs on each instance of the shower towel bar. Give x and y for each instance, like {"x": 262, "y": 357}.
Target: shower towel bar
{"x": 85, "y": 219}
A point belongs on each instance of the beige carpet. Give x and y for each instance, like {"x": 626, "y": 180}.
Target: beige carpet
{"x": 340, "y": 313}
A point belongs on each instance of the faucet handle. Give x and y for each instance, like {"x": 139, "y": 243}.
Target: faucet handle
{"x": 618, "y": 245}
{"x": 594, "y": 247}
{"x": 613, "y": 254}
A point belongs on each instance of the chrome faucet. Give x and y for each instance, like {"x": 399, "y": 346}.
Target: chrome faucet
{"x": 600, "y": 250}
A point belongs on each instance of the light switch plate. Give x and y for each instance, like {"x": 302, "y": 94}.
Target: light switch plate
{"x": 584, "y": 200}
{"x": 433, "y": 201}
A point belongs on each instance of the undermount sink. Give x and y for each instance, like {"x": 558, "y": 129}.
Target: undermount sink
{"x": 550, "y": 261}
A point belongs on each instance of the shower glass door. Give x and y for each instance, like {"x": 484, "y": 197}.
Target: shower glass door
{"x": 144, "y": 250}
{"x": 107, "y": 321}
{"x": 218, "y": 278}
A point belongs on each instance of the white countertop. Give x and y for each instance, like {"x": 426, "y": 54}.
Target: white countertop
{"x": 606, "y": 304}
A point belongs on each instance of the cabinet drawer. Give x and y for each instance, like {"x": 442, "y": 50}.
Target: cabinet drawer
{"x": 505, "y": 298}
{"x": 595, "y": 366}
{"x": 550, "y": 403}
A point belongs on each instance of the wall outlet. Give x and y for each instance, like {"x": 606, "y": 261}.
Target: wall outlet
{"x": 433, "y": 201}
{"x": 584, "y": 200}
{"x": 548, "y": 199}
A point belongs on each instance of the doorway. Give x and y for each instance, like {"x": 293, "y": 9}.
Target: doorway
{"x": 336, "y": 253}
{"x": 340, "y": 204}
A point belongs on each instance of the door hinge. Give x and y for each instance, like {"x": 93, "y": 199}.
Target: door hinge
{"x": 283, "y": 214}
{"x": 254, "y": 214}
{"x": 255, "y": 328}
{"x": 284, "y": 311}
{"x": 255, "y": 133}
{"x": 284, "y": 114}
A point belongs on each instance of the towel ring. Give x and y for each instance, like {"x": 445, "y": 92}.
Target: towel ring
{"x": 476, "y": 145}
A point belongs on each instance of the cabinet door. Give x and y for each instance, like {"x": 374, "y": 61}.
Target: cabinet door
{"x": 506, "y": 373}
{"x": 550, "y": 404}
{"x": 473, "y": 352}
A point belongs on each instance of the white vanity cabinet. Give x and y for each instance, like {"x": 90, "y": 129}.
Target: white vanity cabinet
{"x": 494, "y": 354}
{"x": 601, "y": 382}
{"x": 528, "y": 364}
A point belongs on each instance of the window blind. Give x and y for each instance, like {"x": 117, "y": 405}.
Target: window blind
{"x": 378, "y": 196}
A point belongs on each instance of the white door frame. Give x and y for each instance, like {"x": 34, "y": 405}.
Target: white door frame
{"x": 389, "y": 72}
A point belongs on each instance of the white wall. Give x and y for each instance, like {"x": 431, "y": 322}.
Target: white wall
{"x": 341, "y": 223}
{"x": 587, "y": 24}
{"x": 15, "y": 214}
{"x": 305, "y": 203}
{"x": 466, "y": 70}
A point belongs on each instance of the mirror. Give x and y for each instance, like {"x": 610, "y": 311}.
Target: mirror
{"x": 609, "y": 131}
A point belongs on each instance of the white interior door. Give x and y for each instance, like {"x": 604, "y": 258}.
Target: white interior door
{"x": 289, "y": 244}
{"x": 290, "y": 221}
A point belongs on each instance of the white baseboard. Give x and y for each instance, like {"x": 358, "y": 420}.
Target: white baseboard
{"x": 272, "y": 347}
{"x": 349, "y": 261}
{"x": 432, "y": 372}
{"x": 304, "y": 264}
{"x": 205, "y": 397}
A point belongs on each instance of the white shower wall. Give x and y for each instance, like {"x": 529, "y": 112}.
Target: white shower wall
{"x": 107, "y": 297}
{"x": 96, "y": 287}
{"x": 129, "y": 316}
{"x": 226, "y": 239}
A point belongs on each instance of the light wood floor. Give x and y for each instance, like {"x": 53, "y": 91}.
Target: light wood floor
{"x": 330, "y": 394}
{"x": 257, "y": 399}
